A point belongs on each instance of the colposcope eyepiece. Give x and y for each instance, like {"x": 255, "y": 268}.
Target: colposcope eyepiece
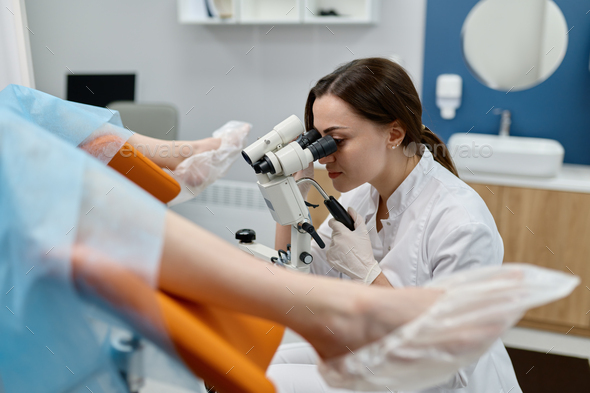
{"x": 323, "y": 147}
{"x": 308, "y": 138}
{"x": 292, "y": 161}
{"x": 282, "y": 134}
{"x": 264, "y": 166}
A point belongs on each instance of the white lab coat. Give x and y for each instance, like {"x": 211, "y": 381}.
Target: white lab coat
{"x": 437, "y": 225}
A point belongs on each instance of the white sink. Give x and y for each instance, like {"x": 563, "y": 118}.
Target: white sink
{"x": 506, "y": 155}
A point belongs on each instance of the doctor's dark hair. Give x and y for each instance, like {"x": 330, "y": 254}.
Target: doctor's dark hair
{"x": 381, "y": 91}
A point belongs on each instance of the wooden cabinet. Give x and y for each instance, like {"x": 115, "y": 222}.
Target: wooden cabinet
{"x": 550, "y": 229}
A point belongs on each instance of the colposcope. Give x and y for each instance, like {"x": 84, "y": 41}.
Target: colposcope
{"x": 275, "y": 158}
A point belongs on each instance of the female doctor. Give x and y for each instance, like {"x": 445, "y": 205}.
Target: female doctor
{"x": 414, "y": 218}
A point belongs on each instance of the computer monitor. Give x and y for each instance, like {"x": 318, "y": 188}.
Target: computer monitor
{"x": 100, "y": 90}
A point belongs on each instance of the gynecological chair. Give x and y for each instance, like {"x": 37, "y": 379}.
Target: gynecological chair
{"x": 228, "y": 350}
{"x": 154, "y": 120}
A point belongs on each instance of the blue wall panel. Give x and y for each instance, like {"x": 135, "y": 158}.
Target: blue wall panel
{"x": 558, "y": 108}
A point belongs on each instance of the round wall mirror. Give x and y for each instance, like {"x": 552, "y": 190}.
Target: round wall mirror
{"x": 514, "y": 45}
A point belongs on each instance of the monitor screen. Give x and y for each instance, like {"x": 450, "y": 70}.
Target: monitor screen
{"x": 100, "y": 90}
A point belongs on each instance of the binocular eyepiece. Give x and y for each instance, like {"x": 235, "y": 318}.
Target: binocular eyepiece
{"x": 312, "y": 141}
{"x": 323, "y": 147}
{"x": 287, "y": 148}
{"x": 308, "y": 138}
{"x": 318, "y": 146}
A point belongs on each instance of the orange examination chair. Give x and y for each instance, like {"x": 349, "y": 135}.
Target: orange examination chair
{"x": 228, "y": 350}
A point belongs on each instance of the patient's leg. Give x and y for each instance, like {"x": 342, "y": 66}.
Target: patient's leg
{"x": 168, "y": 154}
{"x": 334, "y": 316}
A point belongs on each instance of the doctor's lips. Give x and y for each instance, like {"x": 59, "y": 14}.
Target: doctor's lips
{"x": 334, "y": 175}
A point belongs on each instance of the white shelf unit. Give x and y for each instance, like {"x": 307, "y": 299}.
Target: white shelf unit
{"x": 270, "y": 11}
{"x": 352, "y": 11}
{"x": 196, "y": 12}
{"x": 280, "y": 11}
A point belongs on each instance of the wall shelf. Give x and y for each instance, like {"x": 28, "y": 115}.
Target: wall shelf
{"x": 267, "y": 12}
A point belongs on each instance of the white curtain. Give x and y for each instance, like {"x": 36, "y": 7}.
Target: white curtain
{"x": 16, "y": 65}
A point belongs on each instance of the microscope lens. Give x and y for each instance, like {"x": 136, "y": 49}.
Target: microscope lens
{"x": 323, "y": 147}
{"x": 246, "y": 157}
{"x": 308, "y": 138}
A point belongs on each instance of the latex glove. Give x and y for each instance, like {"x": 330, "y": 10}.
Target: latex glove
{"x": 351, "y": 252}
{"x": 200, "y": 170}
{"x": 307, "y": 172}
{"x": 477, "y": 306}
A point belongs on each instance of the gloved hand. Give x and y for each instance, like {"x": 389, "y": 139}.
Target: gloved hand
{"x": 200, "y": 170}
{"x": 307, "y": 172}
{"x": 351, "y": 252}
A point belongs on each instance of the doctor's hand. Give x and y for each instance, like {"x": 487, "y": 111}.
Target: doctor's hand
{"x": 351, "y": 252}
{"x": 307, "y": 172}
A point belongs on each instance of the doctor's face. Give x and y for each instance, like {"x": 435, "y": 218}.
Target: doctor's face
{"x": 362, "y": 145}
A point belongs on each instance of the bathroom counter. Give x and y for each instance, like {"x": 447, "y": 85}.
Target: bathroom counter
{"x": 572, "y": 178}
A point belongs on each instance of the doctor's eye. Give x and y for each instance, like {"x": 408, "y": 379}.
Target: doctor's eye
{"x": 338, "y": 141}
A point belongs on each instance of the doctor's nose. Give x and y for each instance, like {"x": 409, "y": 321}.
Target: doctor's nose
{"x": 326, "y": 160}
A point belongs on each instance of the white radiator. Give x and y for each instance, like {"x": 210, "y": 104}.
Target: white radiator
{"x": 227, "y": 206}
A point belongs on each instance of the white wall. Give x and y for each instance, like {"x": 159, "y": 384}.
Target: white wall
{"x": 15, "y": 53}
{"x": 179, "y": 64}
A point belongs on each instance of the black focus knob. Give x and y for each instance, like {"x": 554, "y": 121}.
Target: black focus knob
{"x": 306, "y": 257}
{"x": 246, "y": 235}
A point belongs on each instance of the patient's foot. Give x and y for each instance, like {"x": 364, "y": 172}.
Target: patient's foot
{"x": 207, "y": 144}
{"x": 185, "y": 149}
{"x": 362, "y": 315}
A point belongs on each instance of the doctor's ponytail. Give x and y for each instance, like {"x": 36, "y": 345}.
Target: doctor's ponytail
{"x": 438, "y": 149}
{"x": 381, "y": 91}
